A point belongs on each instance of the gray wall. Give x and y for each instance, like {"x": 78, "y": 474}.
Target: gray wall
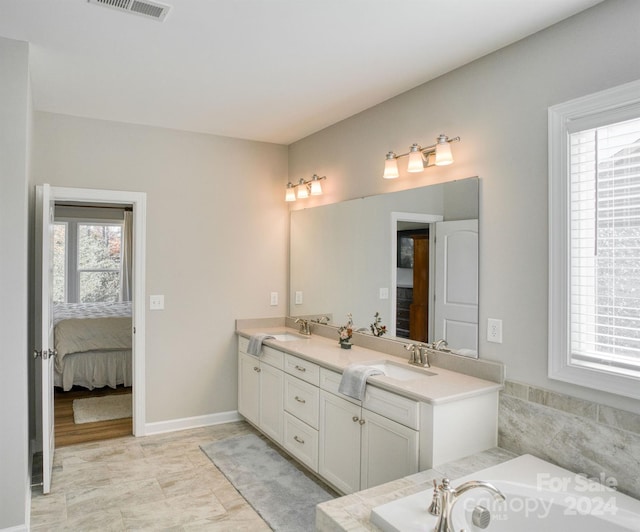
{"x": 216, "y": 242}
{"x": 498, "y": 105}
{"x": 14, "y": 155}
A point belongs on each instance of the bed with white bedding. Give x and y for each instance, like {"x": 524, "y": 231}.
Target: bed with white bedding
{"x": 93, "y": 342}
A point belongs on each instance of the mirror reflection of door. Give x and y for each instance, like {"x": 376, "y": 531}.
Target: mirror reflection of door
{"x": 412, "y": 288}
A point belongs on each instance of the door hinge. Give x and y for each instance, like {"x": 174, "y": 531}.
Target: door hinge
{"x": 44, "y": 354}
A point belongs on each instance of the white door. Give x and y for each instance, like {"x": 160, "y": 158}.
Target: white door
{"x": 456, "y": 285}
{"x": 271, "y": 402}
{"x": 339, "y": 448}
{"x": 249, "y": 387}
{"x": 44, "y": 325}
{"x": 389, "y": 450}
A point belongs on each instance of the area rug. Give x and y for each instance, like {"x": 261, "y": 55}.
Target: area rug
{"x": 275, "y": 487}
{"x": 92, "y": 409}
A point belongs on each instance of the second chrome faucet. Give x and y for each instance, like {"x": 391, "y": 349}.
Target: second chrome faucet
{"x": 419, "y": 356}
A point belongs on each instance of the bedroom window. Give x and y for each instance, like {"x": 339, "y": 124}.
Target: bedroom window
{"x": 594, "y": 193}
{"x": 87, "y": 262}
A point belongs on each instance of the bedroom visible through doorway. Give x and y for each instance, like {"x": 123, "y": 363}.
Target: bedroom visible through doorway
{"x": 92, "y": 317}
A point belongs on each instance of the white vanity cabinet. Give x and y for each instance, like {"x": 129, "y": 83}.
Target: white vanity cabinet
{"x": 261, "y": 389}
{"x": 360, "y": 448}
{"x": 355, "y": 445}
{"x": 301, "y": 405}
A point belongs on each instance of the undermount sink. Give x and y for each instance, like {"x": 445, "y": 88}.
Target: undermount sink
{"x": 285, "y": 337}
{"x": 401, "y": 372}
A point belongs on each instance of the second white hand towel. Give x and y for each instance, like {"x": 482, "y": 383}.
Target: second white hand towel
{"x": 354, "y": 380}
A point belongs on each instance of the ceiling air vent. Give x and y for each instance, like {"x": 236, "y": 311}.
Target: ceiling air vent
{"x": 145, "y": 8}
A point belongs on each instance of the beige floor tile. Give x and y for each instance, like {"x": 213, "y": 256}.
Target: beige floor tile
{"x": 158, "y": 482}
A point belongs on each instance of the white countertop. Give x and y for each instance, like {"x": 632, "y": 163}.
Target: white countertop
{"x": 444, "y": 387}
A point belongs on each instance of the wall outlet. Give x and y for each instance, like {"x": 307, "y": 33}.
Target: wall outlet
{"x": 494, "y": 330}
{"x": 156, "y": 302}
{"x": 298, "y": 297}
{"x": 274, "y": 299}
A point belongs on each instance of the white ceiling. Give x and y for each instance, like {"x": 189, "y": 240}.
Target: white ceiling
{"x": 269, "y": 70}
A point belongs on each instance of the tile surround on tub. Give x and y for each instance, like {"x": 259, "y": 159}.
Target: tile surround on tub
{"x": 579, "y": 435}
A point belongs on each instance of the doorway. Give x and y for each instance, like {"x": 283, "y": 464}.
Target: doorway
{"x": 411, "y": 275}
{"x": 92, "y": 319}
{"x": 46, "y": 198}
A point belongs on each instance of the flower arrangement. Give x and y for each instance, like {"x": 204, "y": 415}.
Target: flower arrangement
{"x": 376, "y": 328}
{"x": 345, "y": 332}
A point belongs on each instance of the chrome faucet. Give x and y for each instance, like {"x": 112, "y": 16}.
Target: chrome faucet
{"x": 419, "y": 355}
{"x": 445, "y": 497}
{"x": 412, "y": 348}
{"x": 305, "y": 326}
{"x": 439, "y": 344}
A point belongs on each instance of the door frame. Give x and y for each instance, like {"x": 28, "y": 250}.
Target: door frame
{"x": 396, "y": 217}
{"x": 138, "y": 200}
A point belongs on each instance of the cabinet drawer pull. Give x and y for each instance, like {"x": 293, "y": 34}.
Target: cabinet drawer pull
{"x": 300, "y": 368}
{"x": 299, "y": 440}
{"x": 256, "y": 368}
{"x": 355, "y": 419}
{"x": 299, "y": 400}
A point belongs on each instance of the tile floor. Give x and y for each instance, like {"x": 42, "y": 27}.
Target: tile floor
{"x": 159, "y": 482}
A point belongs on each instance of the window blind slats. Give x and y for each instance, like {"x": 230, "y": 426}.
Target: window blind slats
{"x": 604, "y": 166}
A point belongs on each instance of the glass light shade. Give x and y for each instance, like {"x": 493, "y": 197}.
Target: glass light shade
{"x": 290, "y": 194}
{"x": 415, "y": 160}
{"x": 443, "y": 152}
{"x": 316, "y": 187}
{"x": 391, "y": 166}
{"x": 303, "y": 191}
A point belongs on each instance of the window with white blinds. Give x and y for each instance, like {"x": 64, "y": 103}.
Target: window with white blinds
{"x": 594, "y": 241}
{"x": 604, "y": 167}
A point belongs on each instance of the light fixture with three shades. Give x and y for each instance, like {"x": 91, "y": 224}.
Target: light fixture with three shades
{"x": 438, "y": 154}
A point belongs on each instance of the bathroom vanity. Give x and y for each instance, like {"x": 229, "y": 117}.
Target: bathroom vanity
{"x": 410, "y": 419}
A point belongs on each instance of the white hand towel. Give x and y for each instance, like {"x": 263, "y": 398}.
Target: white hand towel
{"x": 255, "y": 343}
{"x": 354, "y": 380}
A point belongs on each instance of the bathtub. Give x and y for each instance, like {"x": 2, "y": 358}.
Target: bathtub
{"x": 539, "y": 496}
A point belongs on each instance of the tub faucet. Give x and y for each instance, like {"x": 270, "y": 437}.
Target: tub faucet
{"x": 445, "y": 497}
{"x": 305, "y": 326}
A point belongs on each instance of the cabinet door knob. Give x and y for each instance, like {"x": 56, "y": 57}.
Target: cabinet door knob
{"x": 256, "y": 368}
{"x": 299, "y": 440}
{"x": 362, "y": 422}
{"x": 355, "y": 418}
{"x": 299, "y": 400}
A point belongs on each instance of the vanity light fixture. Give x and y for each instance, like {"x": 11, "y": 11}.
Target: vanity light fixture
{"x": 302, "y": 189}
{"x": 439, "y": 154}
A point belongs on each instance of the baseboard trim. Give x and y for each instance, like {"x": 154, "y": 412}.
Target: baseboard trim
{"x": 19, "y": 528}
{"x": 173, "y": 425}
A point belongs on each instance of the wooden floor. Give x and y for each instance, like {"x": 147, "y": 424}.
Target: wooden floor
{"x": 68, "y": 433}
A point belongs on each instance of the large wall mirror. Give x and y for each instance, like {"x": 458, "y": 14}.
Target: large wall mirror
{"x": 410, "y": 256}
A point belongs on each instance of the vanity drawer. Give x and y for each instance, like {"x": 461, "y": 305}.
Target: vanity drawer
{"x": 272, "y": 356}
{"x": 330, "y": 381}
{"x": 302, "y": 400}
{"x": 301, "y": 441}
{"x": 303, "y": 369}
{"x": 404, "y": 411}
{"x": 268, "y": 355}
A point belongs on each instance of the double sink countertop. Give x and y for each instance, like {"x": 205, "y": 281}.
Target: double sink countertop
{"x": 434, "y": 385}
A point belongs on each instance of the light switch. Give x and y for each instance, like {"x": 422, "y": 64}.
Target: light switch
{"x": 384, "y": 293}
{"x": 298, "y": 298}
{"x": 156, "y": 302}
{"x": 274, "y": 299}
